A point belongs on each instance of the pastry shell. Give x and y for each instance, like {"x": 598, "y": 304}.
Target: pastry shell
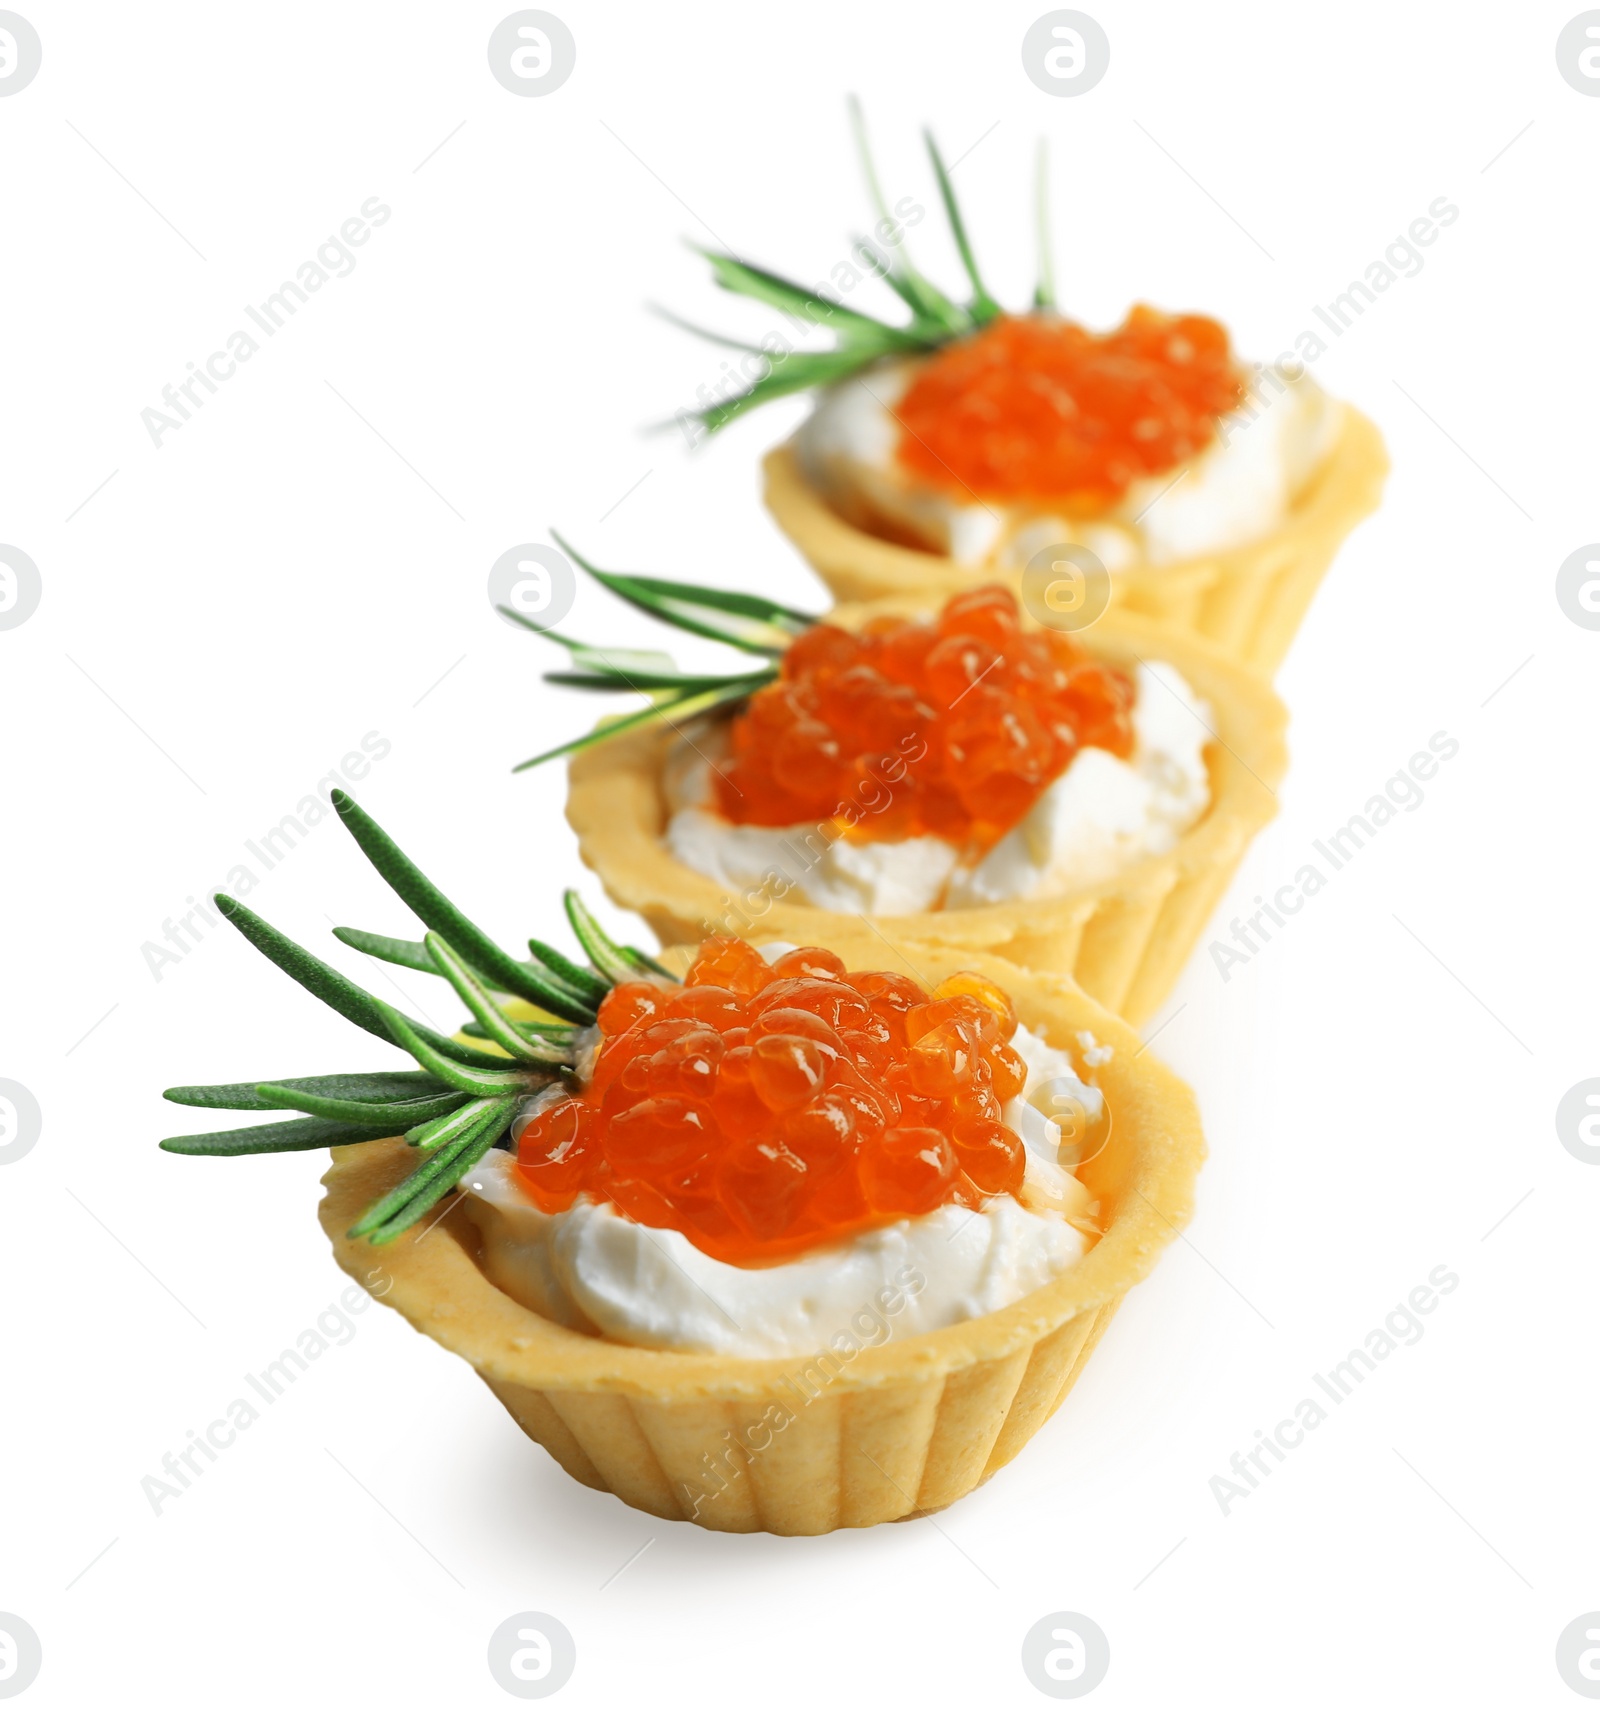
{"x": 1124, "y": 940}
{"x": 1247, "y": 601}
{"x": 840, "y": 1438}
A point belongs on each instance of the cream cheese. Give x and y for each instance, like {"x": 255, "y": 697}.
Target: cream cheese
{"x": 1235, "y": 491}
{"x": 596, "y": 1270}
{"x": 1103, "y": 814}
{"x": 900, "y": 878}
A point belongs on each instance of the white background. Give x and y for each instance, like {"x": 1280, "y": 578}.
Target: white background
{"x": 227, "y": 616}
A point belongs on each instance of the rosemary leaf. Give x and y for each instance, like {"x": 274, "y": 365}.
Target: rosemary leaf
{"x": 403, "y": 953}
{"x": 383, "y": 1086}
{"x": 616, "y": 962}
{"x": 699, "y": 610}
{"x": 296, "y": 1137}
{"x": 984, "y": 307}
{"x": 579, "y": 978}
{"x": 426, "y": 1137}
{"x": 684, "y": 707}
{"x": 621, "y": 662}
{"x": 626, "y": 682}
{"x": 396, "y": 1115}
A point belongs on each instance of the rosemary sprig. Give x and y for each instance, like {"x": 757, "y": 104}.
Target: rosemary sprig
{"x": 861, "y": 339}
{"x": 749, "y": 622}
{"x": 460, "y": 1100}
{"x": 542, "y": 987}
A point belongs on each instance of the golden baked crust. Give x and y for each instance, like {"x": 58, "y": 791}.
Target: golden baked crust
{"x": 1124, "y": 941}
{"x": 1248, "y": 602}
{"x": 895, "y": 1430}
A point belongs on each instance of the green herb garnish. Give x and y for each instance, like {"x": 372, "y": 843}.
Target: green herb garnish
{"x": 460, "y": 1101}
{"x": 860, "y": 339}
{"x": 748, "y": 622}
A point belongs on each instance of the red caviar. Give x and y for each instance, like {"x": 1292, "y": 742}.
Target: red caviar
{"x": 953, "y": 727}
{"x": 763, "y": 1110}
{"x": 1039, "y": 409}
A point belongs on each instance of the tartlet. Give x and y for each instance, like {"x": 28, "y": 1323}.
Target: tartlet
{"x": 966, "y": 443}
{"x": 847, "y": 1434}
{"x": 905, "y": 1428}
{"x": 1124, "y": 938}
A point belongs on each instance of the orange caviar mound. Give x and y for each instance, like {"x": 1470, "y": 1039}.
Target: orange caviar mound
{"x": 952, "y": 727}
{"x": 1038, "y": 409}
{"x": 767, "y": 1109}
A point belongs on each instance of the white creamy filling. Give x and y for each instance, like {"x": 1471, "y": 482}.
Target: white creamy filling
{"x": 1098, "y": 818}
{"x": 595, "y": 1270}
{"x": 1237, "y": 490}
{"x": 1103, "y": 814}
